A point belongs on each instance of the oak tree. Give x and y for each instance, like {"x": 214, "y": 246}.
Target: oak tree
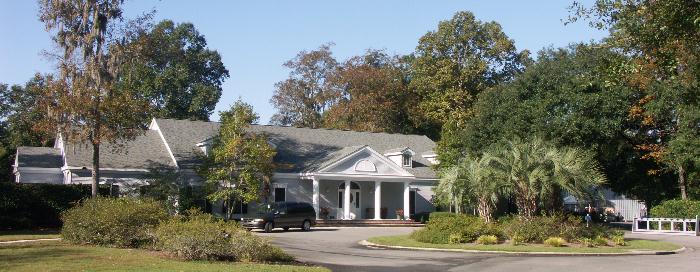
{"x": 302, "y": 99}
{"x": 84, "y": 105}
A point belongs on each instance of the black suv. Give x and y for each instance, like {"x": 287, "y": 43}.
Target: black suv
{"x": 283, "y": 215}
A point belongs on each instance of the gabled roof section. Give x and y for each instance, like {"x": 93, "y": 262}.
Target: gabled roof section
{"x": 41, "y": 157}
{"x": 145, "y": 151}
{"x": 305, "y": 149}
{"x": 348, "y": 164}
{"x": 298, "y": 149}
{"x": 182, "y": 136}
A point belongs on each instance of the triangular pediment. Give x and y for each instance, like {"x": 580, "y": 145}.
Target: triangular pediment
{"x": 364, "y": 161}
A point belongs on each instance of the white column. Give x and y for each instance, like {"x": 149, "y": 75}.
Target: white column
{"x": 377, "y": 200}
{"x": 406, "y": 200}
{"x": 316, "y": 197}
{"x": 346, "y": 201}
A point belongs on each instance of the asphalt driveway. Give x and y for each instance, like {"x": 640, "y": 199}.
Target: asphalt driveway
{"x": 338, "y": 249}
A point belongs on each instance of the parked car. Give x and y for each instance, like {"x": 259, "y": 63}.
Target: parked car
{"x": 283, "y": 215}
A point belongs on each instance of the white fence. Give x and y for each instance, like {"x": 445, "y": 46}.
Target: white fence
{"x": 672, "y": 226}
{"x": 628, "y": 208}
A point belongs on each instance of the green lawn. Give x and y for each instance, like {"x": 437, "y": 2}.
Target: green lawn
{"x": 61, "y": 256}
{"x": 14, "y": 235}
{"x": 631, "y": 245}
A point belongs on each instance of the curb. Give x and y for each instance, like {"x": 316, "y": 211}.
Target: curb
{"x": 29, "y": 241}
{"x": 534, "y": 254}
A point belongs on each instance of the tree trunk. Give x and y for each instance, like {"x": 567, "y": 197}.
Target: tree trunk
{"x": 95, "y": 167}
{"x": 484, "y": 210}
{"x": 681, "y": 182}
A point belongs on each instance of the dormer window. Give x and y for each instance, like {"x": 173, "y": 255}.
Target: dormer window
{"x": 401, "y": 156}
{"x": 406, "y": 160}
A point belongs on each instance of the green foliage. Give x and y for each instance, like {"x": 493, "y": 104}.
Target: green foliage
{"x": 438, "y": 230}
{"x": 199, "y": 236}
{"x": 240, "y": 162}
{"x": 435, "y": 215}
{"x": 172, "y": 188}
{"x": 459, "y": 60}
{"x": 456, "y": 239}
{"x": 119, "y": 222}
{"x": 24, "y": 206}
{"x": 677, "y": 208}
{"x": 176, "y": 70}
{"x": 555, "y": 241}
{"x": 487, "y": 240}
{"x": 600, "y": 241}
{"x": 539, "y": 228}
{"x": 662, "y": 38}
{"x": 472, "y": 182}
{"x": 535, "y": 172}
{"x": 618, "y": 240}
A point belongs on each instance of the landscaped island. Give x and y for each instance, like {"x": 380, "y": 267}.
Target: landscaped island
{"x": 547, "y": 234}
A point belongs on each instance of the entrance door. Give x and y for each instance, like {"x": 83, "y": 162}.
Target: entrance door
{"x": 355, "y": 204}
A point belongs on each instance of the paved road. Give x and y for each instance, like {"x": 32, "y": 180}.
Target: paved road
{"x": 337, "y": 249}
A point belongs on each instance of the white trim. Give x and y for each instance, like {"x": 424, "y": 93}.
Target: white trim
{"x": 38, "y": 170}
{"x": 154, "y": 126}
{"x": 380, "y": 157}
{"x": 354, "y": 177}
{"x": 106, "y": 169}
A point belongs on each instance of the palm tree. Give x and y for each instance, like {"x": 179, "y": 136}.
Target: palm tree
{"x": 535, "y": 172}
{"x": 472, "y": 182}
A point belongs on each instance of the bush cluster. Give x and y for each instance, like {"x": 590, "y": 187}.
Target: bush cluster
{"x": 677, "y": 208}
{"x": 199, "y": 236}
{"x": 439, "y": 229}
{"x": 27, "y": 206}
{"x": 118, "y": 222}
{"x": 555, "y": 241}
{"x": 487, "y": 240}
{"x": 444, "y": 228}
{"x": 538, "y": 229}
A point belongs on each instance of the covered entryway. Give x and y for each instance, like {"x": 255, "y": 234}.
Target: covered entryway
{"x": 355, "y": 197}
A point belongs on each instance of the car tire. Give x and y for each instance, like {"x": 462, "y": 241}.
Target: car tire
{"x": 285, "y": 228}
{"x": 268, "y": 227}
{"x": 306, "y": 226}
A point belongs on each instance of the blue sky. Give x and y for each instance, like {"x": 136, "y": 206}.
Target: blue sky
{"x": 254, "y": 38}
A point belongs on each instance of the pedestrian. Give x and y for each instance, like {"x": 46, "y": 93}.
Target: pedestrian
{"x": 588, "y": 219}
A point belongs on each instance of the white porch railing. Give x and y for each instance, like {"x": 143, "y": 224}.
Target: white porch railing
{"x": 671, "y": 226}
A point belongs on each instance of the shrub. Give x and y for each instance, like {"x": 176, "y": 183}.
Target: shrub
{"x": 516, "y": 240}
{"x": 487, "y": 240}
{"x": 600, "y": 241}
{"x": 555, "y": 241}
{"x": 586, "y": 242}
{"x": 438, "y": 230}
{"x": 434, "y": 215}
{"x": 677, "y": 208}
{"x": 456, "y": 239}
{"x": 120, "y": 222}
{"x": 200, "y": 236}
{"x": 25, "y": 206}
{"x": 539, "y": 228}
{"x": 618, "y": 240}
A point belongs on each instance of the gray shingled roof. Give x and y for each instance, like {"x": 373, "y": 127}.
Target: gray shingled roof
{"x": 182, "y": 137}
{"x": 298, "y": 149}
{"x": 43, "y": 157}
{"x": 146, "y": 151}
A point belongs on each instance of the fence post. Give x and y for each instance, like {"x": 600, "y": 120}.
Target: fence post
{"x": 697, "y": 225}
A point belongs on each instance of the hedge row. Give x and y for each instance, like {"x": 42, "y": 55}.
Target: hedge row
{"x": 446, "y": 228}
{"x": 25, "y": 206}
{"x": 676, "y": 208}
